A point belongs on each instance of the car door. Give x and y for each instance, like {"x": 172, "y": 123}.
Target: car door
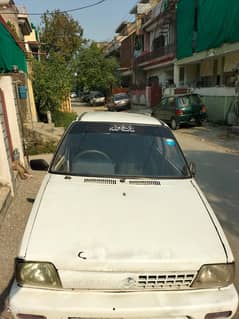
{"x": 159, "y": 111}
{"x": 170, "y": 108}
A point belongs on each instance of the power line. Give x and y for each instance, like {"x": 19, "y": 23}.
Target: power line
{"x": 64, "y": 11}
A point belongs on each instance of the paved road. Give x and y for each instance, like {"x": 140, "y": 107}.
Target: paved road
{"x": 218, "y": 176}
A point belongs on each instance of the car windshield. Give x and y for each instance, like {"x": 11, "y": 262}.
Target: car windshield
{"x": 121, "y": 96}
{"x": 119, "y": 150}
{"x": 195, "y": 99}
{"x": 189, "y": 100}
{"x": 99, "y": 95}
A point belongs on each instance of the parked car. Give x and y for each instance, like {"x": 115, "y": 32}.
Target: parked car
{"x": 96, "y": 98}
{"x": 181, "y": 109}
{"x": 119, "y": 102}
{"x": 73, "y": 95}
{"x": 121, "y": 229}
{"x": 85, "y": 97}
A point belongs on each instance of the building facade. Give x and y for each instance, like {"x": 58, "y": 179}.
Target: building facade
{"x": 16, "y": 96}
{"x": 196, "y": 52}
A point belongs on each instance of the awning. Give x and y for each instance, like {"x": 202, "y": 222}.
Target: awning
{"x": 10, "y": 53}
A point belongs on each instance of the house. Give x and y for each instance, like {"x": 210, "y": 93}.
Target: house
{"x": 15, "y": 108}
{"x": 208, "y": 52}
{"x": 156, "y": 52}
{"x": 197, "y": 52}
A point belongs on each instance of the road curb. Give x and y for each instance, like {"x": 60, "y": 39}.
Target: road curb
{"x": 5, "y": 201}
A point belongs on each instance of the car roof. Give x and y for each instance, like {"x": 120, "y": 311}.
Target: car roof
{"x": 179, "y": 95}
{"x": 120, "y": 117}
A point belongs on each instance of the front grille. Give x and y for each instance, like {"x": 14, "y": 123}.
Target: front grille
{"x": 166, "y": 281}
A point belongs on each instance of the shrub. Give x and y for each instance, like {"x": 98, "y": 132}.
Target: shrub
{"x": 63, "y": 119}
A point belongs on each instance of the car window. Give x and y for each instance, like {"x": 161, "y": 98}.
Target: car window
{"x": 119, "y": 150}
{"x": 195, "y": 99}
{"x": 171, "y": 101}
{"x": 99, "y": 95}
{"x": 121, "y": 96}
{"x": 163, "y": 103}
{"x": 184, "y": 101}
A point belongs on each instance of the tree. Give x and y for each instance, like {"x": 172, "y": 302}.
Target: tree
{"x": 61, "y": 38}
{"x": 60, "y": 33}
{"x": 52, "y": 81}
{"x": 94, "y": 70}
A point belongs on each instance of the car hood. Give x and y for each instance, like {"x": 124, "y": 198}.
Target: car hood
{"x": 105, "y": 224}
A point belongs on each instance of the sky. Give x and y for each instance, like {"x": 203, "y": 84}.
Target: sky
{"x": 99, "y": 22}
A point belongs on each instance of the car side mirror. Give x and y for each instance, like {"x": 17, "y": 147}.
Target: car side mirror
{"x": 39, "y": 165}
{"x": 192, "y": 168}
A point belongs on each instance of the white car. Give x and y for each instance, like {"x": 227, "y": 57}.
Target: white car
{"x": 96, "y": 98}
{"x": 120, "y": 229}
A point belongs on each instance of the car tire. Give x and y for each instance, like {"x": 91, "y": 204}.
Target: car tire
{"x": 173, "y": 124}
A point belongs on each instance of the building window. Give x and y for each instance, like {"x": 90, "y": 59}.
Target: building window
{"x": 181, "y": 75}
{"x": 153, "y": 80}
{"x": 159, "y": 42}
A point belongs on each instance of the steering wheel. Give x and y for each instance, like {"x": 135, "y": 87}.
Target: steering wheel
{"x": 90, "y": 152}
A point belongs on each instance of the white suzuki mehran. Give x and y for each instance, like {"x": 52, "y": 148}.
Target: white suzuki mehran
{"x": 120, "y": 229}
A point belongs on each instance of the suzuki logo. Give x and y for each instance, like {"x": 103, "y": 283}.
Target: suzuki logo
{"x": 129, "y": 282}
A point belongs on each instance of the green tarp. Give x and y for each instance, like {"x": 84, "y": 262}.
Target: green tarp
{"x": 10, "y": 53}
{"x": 185, "y": 25}
{"x": 217, "y": 23}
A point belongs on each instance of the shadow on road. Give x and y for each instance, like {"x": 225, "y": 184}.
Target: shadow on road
{"x": 3, "y": 299}
{"x": 218, "y": 135}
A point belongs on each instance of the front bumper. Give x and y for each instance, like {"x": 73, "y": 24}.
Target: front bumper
{"x": 91, "y": 304}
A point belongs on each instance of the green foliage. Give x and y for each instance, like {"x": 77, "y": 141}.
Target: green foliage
{"x": 94, "y": 70}
{"x": 13, "y": 28}
{"x": 60, "y": 33}
{"x": 41, "y": 148}
{"x": 51, "y": 82}
{"x": 61, "y": 38}
{"x": 63, "y": 119}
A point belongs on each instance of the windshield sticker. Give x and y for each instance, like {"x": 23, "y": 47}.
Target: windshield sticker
{"x": 122, "y": 128}
{"x": 170, "y": 142}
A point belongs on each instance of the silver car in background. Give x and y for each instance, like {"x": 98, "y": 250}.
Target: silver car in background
{"x": 119, "y": 102}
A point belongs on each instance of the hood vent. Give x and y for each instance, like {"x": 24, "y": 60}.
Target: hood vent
{"x": 100, "y": 181}
{"x": 145, "y": 182}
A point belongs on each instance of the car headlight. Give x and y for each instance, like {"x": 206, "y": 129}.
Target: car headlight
{"x": 214, "y": 276}
{"x": 37, "y": 274}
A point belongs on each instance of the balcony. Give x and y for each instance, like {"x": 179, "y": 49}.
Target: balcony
{"x": 23, "y": 21}
{"x": 160, "y": 11}
{"x": 166, "y": 51}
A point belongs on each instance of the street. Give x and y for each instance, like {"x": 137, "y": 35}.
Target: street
{"x": 217, "y": 174}
{"x": 218, "y": 177}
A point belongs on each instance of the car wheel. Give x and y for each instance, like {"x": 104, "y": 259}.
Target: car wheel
{"x": 174, "y": 124}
